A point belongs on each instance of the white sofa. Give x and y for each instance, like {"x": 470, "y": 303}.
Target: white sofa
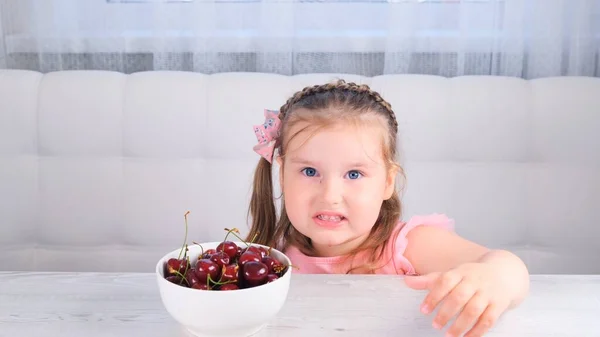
{"x": 98, "y": 168}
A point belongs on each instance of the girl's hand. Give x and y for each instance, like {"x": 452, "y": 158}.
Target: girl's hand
{"x": 473, "y": 292}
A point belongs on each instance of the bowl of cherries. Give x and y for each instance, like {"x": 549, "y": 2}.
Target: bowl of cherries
{"x": 223, "y": 288}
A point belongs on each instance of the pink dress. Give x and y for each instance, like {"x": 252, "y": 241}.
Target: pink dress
{"x": 395, "y": 262}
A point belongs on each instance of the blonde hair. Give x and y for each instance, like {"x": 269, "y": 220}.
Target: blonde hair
{"x": 323, "y": 105}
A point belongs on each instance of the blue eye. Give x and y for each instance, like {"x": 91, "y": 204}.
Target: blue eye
{"x": 354, "y": 174}
{"x": 309, "y": 171}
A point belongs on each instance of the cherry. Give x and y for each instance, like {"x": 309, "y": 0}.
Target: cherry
{"x": 230, "y": 273}
{"x": 254, "y": 249}
{"x": 174, "y": 279}
{"x": 264, "y": 252}
{"x": 255, "y": 273}
{"x": 260, "y": 251}
{"x": 207, "y": 254}
{"x": 200, "y": 286}
{"x": 175, "y": 266}
{"x": 220, "y": 258}
{"x": 226, "y": 267}
{"x": 229, "y": 247}
{"x": 191, "y": 278}
{"x": 206, "y": 268}
{"x": 229, "y": 286}
{"x": 271, "y": 263}
{"x": 248, "y": 256}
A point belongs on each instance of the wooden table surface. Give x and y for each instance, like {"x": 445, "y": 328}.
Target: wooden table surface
{"x": 122, "y": 304}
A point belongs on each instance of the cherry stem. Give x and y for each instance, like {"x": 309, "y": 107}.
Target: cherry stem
{"x": 186, "y": 233}
{"x": 187, "y": 264}
{"x": 196, "y": 243}
{"x": 231, "y": 231}
{"x": 182, "y": 277}
{"x": 254, "y": 238}
{"x": 283, "y": 267}
{"x": 219, "y": 283}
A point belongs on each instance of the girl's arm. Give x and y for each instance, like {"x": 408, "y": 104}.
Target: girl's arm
{"x": 431, "y": 249}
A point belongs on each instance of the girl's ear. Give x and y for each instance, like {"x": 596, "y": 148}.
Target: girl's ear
{"x": 390, "y": 184}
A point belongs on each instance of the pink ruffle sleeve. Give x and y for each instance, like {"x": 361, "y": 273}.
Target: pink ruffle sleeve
{"x": 402, "y": 264}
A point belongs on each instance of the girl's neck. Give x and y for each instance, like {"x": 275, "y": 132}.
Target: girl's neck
{"x": 338, "y": 250}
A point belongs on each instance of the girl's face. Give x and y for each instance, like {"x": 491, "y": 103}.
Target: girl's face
{"x": 334, "y": 183}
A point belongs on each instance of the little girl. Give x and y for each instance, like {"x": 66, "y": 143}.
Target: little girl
{"x": 335, "y": 145}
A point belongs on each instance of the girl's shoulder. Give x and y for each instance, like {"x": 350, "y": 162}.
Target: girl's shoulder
{"x": 399, "y": 242}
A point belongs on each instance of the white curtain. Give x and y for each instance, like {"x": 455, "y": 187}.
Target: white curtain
{"x": 522, "y": 38}
{"x": 3, "y": 63}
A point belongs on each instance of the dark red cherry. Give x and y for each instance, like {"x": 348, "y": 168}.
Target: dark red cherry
{"x": 220, "y": 258}
{"x": 239, "y": 252}
{"x": 229, "y": 247}
{"x": 229, "y": 286}
{"x": 206, "y": 267}
{"x": 272, "y": 263}
{"x": 177, "y": 265}
{"x": 255, "y": 273}
{"x": 248, "y": 256}
{"x": 175, "y": 279}
{"x": 230, "y": 273}
{"x": 191, "y": 278}
{"x": 271, "y": 278}
{"x": 254, "y": 249}
{"x": 200, "y": 286}
{"x": 207, "y": 254}
{"x": 264, "y": 252}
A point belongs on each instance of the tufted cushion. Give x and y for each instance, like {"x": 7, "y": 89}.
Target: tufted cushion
{"x": 98, "y": 168}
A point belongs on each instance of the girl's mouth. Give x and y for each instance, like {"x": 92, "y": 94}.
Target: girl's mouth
{"x": 330, "y": 218}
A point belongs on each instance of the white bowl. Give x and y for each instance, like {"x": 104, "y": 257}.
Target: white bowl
{"x": 214, "y": 313}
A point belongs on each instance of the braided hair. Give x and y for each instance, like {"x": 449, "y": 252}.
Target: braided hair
{"x": 326, "y": 103}
{"x": 338, "y": 90}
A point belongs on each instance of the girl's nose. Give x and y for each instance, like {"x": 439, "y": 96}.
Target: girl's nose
{"x": 332, "y": 191}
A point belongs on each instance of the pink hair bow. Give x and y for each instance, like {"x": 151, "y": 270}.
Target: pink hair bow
{"x": 267, "y": 134}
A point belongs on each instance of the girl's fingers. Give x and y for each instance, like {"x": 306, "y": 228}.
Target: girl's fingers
{"x": 485, "y": 322}
{"x": 441, "y": 287}
{"x": 454, "y": 303}
{"x": 469, "y": 315}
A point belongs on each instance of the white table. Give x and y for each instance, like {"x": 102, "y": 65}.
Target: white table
{"x": 119, "y": 304}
